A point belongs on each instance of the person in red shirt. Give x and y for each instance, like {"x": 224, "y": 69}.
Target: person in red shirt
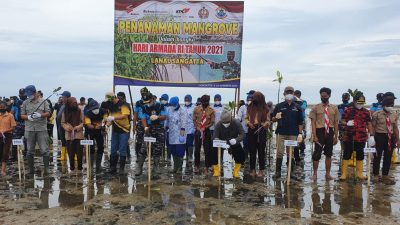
{"x": 357, "y": 120}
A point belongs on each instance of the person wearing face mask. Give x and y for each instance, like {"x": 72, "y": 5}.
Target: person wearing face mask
{"x": 118, "y": 117}
{"x": 386, "y": 136}
{"x": 188, "y": 110}
{"x": 258, "y": 121}
{"x": 137, "y": 123}
{"x": 289, "y": 117}
{"x": 122, "y": 97}
{"x": 177, "y": 134}
{"x": 358, "y": 124}
{"x": 218, "y": 108}
{"x": 19, "y": 130}
{"x": 166, "y": 150}
{"x": 203, "y": 119}
{"x": 7, "y": 125}
{"x": 61, "y": 132}
{"x": 241, "y": 117}
{"x": 94, "y": 123}
{"x": 35, "y": 112}
{"x": 152, "y": 116}
{"x": 342, "y": 107}
{"x": 300, "y": 149}
{"x": 72, "y": 122}
{"x": 231, "y": 131}
{"x": 325, "y": 128}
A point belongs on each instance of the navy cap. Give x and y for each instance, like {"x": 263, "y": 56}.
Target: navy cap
{"x": 30, "y": 90}
{"x": 164, "y": 97}
{"x": 251, "y": 92}
{"x": 389, "y": 94}
{"x": 66, "y": 94}
{"x": 93, "y": 105}
{"x": 217, "y": 96}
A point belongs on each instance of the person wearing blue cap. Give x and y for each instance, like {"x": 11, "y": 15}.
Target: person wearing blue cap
{"x": 35, "y": 112}
{"x": 153, "y": 116}
{"x": 165, "y": 149}
{"x": 94, "y": 123}
{"x": 177, "y": 133}
{"x": 188, "y": 110}
{"x": 61, "y": 132}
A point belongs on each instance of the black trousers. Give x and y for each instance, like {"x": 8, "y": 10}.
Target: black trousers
{"x": 382, "y": 147}
{"x": 350, "y": 146}
{"x": 257, "y": 143}
{"x": 207, "y": 146}
{"x": 96, "y": 135}
{"x": 327, "y": 144}
{"x": 75, "y": 148}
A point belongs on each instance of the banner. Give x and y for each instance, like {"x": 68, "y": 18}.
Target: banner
{"x": 178, "y": 43}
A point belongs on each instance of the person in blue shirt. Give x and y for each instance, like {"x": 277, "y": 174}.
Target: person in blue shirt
{"x": 137, "y": 123}
{"x": 166, "y": 150}
{"x": 377, "y": 105}
{"x": 153, "y": 115}
{"x": 177, "y": 133}
{"x": 300, "y": 149}
{"x": 342, "y": 107}
{"x": 188, "y": 110}
{"x": 290, "y": 127}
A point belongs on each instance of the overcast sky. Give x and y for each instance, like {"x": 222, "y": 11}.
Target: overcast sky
{"x": 340, "y": 44}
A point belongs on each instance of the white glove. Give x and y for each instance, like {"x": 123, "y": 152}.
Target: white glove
{"x": 30, "y": 118}
{"x": 350, "y": 123}
{"x": 299, "y": 138}
{"x": 278, "y": 116}
{"x": 371, "y": 141}
{"x": 110, "y": 119}
{"x": 153, "y": 117}
{"x": 146, "y": 129}
{"x": 232, "y": 141}
{"x": 36, "y": 115}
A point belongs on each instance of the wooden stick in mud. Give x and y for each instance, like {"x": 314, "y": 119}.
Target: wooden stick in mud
{"x": 290, "y": 164}
{"x": 87, "y": 161}
{"x": 149, "y": 162}
{"x": 19, "y": 163}
{"x": 369, "y": 169}
{"x": 219, "y": 163}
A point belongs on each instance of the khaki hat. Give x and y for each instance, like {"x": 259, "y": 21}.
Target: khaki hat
{"x": 109, "y": 96}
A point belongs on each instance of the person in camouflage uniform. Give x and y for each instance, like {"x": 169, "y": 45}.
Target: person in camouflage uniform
{"x": 137, "y": 124}
{"x": 231, "y": 68}
{"x": 152, "y": 116}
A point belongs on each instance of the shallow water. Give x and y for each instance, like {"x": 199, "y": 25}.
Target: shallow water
{"x": 187, "y": 198}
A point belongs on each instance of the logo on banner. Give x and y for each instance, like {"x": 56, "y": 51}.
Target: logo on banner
{"x": 203, "y": 13}
{"x": 154, "y": 12}
{"x": 221, "y": 13}
{"x": 129, "y": 10}
{"x": 182, "y": 11}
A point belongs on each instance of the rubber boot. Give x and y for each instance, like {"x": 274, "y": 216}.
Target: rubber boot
{"x": 63, "y": 154}
{"x": 31, "y": 161}
{"x": 352, "y": 160}
{"x": 236, "y": 170}
{"x": 156, "y": 168}
{"x": 175, "y": 167}
{"x": 189, "y": 157}
{"x": 46, "y": 160}
{"x": 113, "y": 164}
{"x": 345, "y": 165}
{"x": 122, "y": 162}
{"x": 216, "y": 171}
{"x": 388, "y": 180}
{"x": 139, "y": 165}
{"x": 359, "y": 169}
{"x": 99, "y": 157}
{"x": 394, "y": 157}
{"x": 179, "y": 165}
{"x": 278, "y": 169}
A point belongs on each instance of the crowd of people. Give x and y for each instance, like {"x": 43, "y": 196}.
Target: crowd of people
{"x": 183, "y": 129}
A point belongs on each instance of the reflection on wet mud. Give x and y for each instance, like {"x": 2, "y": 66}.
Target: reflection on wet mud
{"x": 198, "y": 199}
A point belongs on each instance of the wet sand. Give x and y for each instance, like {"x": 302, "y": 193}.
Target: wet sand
{"x": 197, "y": 199}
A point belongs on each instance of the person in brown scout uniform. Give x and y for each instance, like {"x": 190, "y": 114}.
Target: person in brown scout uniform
{"x": 386, "y": 136}
{"x": 203, "y": 119}
{"x": 324, "y": 121}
